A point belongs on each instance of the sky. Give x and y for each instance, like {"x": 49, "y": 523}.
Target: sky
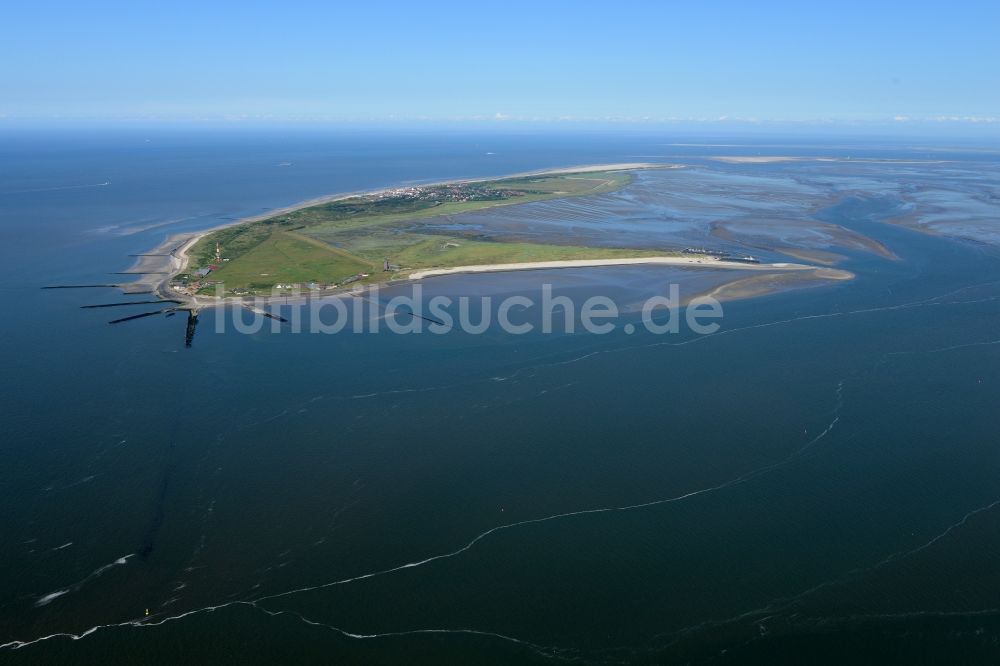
{"x": 502, "y": 62}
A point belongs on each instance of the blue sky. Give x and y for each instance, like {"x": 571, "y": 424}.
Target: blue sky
{"x": 502, "y": 61}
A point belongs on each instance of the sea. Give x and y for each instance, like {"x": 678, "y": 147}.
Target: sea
{"x": 816, "y": 482}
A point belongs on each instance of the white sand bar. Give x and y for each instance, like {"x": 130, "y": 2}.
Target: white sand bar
{"x": 697, "y": 262}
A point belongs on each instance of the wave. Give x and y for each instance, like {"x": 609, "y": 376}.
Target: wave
{"x": 52, "y": 596}
{"x": 59, "y": 187}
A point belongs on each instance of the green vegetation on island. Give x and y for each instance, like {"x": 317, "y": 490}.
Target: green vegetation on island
{"x": 351, "y": 239}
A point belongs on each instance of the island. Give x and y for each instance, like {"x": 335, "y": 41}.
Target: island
{"x": 351, "y": 241}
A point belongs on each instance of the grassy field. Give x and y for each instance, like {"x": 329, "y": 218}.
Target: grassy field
{"x": 437, "y": 252}
{"x": 329, "y": 242}
{"x": 411, "y": 250}
{"x": 286, "y": 257}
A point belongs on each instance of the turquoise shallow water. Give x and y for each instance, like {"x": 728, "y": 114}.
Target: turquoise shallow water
{"x": 817, "y": 479}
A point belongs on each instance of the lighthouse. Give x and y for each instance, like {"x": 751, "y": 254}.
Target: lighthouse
{"x": 218, "y": 253}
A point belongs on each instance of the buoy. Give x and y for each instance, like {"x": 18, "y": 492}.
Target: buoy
{"x": 147, "y": 612}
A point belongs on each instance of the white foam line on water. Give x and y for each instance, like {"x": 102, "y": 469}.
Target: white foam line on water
{"x": 782, "y": 603}
{"x": 909, "y": 614}
{"x": 59, "y": 188}
{"x": 966, "y": 345}
{"x": 930, "y": 302}
{"x": 365, "y": 396}
{"x": 942, "y": 535}
{"x": 534, "y": 521}
{"x": 17, "y": 644}
{"x": 823, "y": 434}
{"x": 142, "y": 624}
{"x": 785, "y": 602}
{"x": 893, "y": 557}
{"x": 79, "y": 482}
{"x": 934, "y": 301}
{"x": 539, "y": 649}
{"x": 874, "y": 616}
{"x": 830, "y": 426}
{"x": 966, "y": 288}
{"x": 49, "y": 598}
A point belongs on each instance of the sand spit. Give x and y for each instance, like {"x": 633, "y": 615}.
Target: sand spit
{"x": 763, "y": 159}
{"x": 699, "y": 262}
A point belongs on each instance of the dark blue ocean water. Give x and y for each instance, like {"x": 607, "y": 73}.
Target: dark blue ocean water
{"x": 819, "y": 481}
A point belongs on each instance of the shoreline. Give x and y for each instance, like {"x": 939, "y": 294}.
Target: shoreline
{"x": 699, "y": 262}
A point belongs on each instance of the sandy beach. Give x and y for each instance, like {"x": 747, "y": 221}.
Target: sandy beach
{"x": 698, "y": 262}
{"x": 756, "y": 159}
